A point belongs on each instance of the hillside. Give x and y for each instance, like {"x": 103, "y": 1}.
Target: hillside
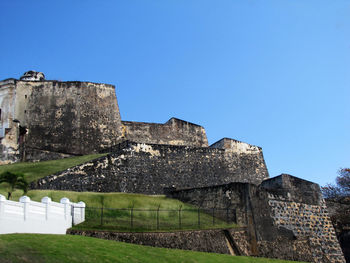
{"x": 23, "y": 248}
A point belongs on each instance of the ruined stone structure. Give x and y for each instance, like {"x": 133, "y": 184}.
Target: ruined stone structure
{"x": 282, "y": 217}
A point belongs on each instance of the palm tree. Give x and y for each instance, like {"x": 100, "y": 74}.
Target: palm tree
{"x": 15, "y": 181}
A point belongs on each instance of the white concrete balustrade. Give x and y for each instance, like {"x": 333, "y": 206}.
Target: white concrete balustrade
{"x": 47, "y": 217}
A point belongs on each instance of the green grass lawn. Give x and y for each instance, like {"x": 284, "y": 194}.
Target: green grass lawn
{"x": 24, "y": 248}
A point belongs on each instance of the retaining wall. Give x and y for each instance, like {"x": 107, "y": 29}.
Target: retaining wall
{"x": 213, "y": 241}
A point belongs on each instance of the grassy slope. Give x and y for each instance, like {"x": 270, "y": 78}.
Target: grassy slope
{"x": 37, "y": 170}
{"x": 34, "y": 171}
{"x": 59, "y": 248}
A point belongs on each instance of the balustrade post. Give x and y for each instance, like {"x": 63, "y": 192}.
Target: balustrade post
{"x": 47, "y": 200}
{"x": 26, "y": 206}
{"x": 67, "y": 208}
{"x": 82, "y": 211}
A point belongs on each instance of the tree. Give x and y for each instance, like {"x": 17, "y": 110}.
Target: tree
{"x": 15, "y": 181}
{"x": 342, "y": 187}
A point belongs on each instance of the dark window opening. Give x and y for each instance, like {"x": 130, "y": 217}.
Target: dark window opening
{"x": 22, "y": 133}
{"x": 25, "y": 96}
{"x": 22, "y": 130}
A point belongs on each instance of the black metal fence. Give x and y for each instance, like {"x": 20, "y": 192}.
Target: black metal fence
{"x": 135, "y": 219}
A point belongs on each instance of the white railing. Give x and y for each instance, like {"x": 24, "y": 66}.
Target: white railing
{"x": 47, "y": 217}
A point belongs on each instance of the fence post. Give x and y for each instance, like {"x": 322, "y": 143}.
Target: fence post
{"x": 26, "y": 206}
{"x": 101, "y": 215}
{"x": 180, "y": 216}
{"x": 82, "y": 211}
{"x": 47, "y": 200}
{"x": 73, "y": 214}
{"x": 2, "y": 206}
{"x": 158, "y": 217}
{"x": 199, "y": 217}
{"x": 213, "y": 215}
{"x": 68, "y": 211}
{"x": 65, "y": 201}
{"x": 132, "y": 216}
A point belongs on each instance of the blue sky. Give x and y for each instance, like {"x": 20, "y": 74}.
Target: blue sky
{"x": 271, "y": 73}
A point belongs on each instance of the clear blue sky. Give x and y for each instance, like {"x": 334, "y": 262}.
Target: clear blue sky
{"x": 271, "y": 73}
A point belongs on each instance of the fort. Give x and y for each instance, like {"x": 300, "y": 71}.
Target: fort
{"x": 284, "y": 217}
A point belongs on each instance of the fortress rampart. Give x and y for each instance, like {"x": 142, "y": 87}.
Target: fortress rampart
{"x": 286, "y": 216}
{"x": 57, "y": 117}
{"x": 38, "y": 116}
{"x": 149, "y": 168}
{"x": 173, "y": 132}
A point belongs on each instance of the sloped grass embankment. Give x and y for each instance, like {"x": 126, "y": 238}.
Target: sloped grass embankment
{"x": 22, "y": 248}
{"x": 37, "y": 170}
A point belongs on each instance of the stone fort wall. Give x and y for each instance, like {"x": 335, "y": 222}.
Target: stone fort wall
{"x": 68, "y": 117}
{"x": 71, "y": 118}
{"x": 149, "y": 168}
{"x": 286, "y": 217}
{"x": 173, "y": 132}
{"x": 43, "y": 120}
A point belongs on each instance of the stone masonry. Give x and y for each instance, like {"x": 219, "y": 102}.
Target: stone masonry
{"x": 286, "y": 216}
{"x": 149, "y": 168}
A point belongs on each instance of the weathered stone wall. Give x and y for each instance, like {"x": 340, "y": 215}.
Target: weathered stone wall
{"x": 286, "y": 249}
{"x": 286, "y": 217}
{"x": 339, "y": 211}
{"x": 68, "y": 117}
{"x": 200, "y": 240}
{"x": 7, "y": 104}
{"x": 232, "y": 196}
{"x": 35, "y": 155}
{"x": 311, "y": 222}
{"x": 173, "y": 132}
{"x": 289, "y": 208}
{"x": 247, "y": 153}
{"x": 9, "y": 130}
{"x": 149, "y": 168}
{"x": 287, "y": 187}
